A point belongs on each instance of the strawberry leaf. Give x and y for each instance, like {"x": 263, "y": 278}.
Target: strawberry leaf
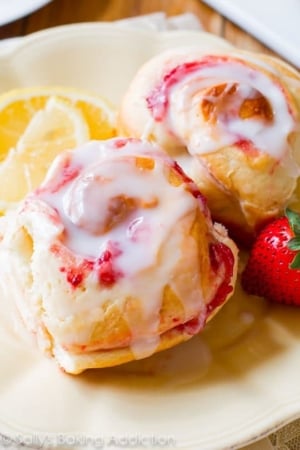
{"x": 294, "y": 243}
{"x": 294, "y": 220}
{"x": 295, "y": 264}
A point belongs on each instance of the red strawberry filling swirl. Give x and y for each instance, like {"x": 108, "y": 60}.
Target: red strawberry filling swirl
{"x": 221, "y": 257}
{"x": 218, "y": 101}
{"x": 124, "y": 224}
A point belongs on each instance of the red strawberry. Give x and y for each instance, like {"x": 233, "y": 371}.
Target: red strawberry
{"x": 273, "y": 268}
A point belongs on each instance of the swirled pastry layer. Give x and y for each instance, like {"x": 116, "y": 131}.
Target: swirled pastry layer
{"x": 231, "y": 120}
{"x": 115, "y": 256}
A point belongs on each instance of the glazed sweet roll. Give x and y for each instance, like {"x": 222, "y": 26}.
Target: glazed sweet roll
{"x": 231, "y": 120}
{"x": 115, "y": 256}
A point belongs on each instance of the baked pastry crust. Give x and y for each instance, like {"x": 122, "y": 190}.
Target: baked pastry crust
{"x": 231, "y": 120}
{"x": 115, "y": 256}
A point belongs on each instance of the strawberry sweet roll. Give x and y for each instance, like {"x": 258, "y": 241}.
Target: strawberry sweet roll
{"x": 115, "y": 256}
{"x": 232, "y": 122}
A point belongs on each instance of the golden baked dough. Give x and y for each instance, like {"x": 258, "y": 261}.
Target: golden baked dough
{"x": 115, "y": 256}
{"x": 231, "y": 120}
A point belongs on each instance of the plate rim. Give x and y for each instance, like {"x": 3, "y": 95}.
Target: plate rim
{"x": 68, "y": 30}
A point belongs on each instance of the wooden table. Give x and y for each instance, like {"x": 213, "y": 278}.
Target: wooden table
{"x": 60, "y": 12}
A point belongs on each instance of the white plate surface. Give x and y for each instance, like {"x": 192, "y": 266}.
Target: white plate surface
{"x": 274, "y": 22}
{"x": 11, "y": 10}
{"x": 235, "y": 383}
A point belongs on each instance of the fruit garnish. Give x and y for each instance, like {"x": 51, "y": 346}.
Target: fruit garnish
{"x": 294, "y": 243}
{"x": 36, "y": 124}
{"x": 273, "y": 267}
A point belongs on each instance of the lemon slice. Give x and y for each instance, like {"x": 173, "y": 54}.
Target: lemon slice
{"x": 51, "y": 130}
{"x": 36, "y": 124}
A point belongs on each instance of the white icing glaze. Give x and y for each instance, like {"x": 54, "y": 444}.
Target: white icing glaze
{"x": 270, "y": 138}
{"x": 152, "y": 230}
{"x": 83, "y": 204}
{"x": 185, "y": 119}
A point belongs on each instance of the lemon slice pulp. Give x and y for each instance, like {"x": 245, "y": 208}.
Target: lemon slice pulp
{"x": 36, "y": 124}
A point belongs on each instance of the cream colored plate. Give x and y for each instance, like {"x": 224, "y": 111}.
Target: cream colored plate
{"x": 228, "y": 387}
